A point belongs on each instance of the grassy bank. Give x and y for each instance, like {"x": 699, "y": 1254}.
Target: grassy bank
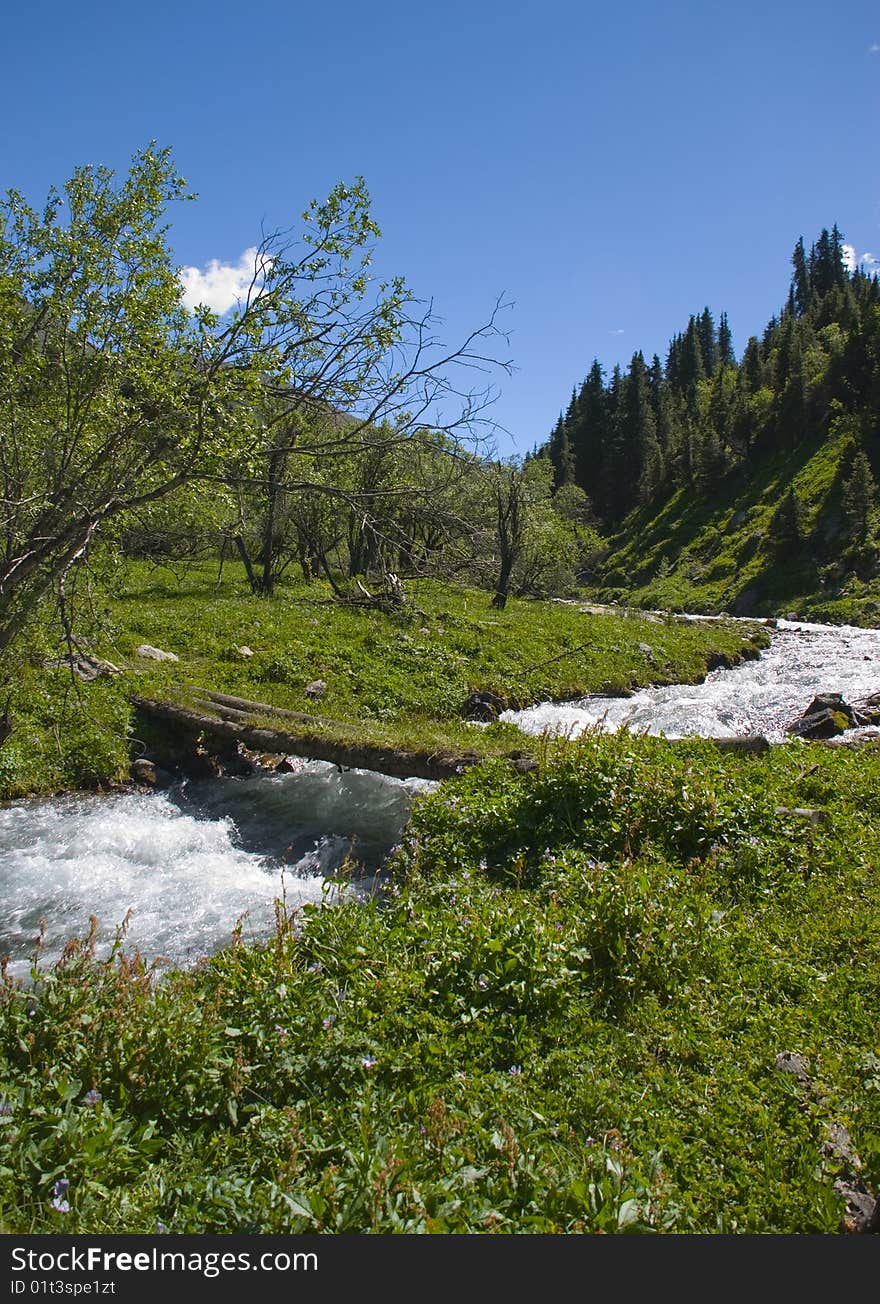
{"x": 394, "y": 680}
{"x": 567, "y": 1015}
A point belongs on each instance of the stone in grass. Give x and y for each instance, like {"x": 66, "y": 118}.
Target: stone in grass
{"x": 482, "y": 706}
{"x": 151, "y": 653}
{"x": 788, "y": 1061}
{"x": 315, "y": 690}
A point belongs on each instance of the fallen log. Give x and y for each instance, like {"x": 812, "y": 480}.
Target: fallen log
{"x": 742, "y": 743}
{"x": 394, "y": 762}
{"x": 246, "y": 707}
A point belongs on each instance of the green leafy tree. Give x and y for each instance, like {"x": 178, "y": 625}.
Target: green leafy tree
{"x": 113, "y": 395}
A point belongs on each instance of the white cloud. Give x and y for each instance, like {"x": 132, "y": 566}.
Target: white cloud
{"x": 617, "y": 332}
{"x": 220, "y": 285}
{"x": 874, "y": 49}
{"x": 867, "y": 262}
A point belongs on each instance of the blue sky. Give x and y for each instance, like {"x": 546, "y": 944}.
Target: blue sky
{"x": 609, "y": 169}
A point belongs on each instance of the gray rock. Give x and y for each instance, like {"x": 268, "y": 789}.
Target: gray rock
{"x": 788, "y": 1061}
{"x": 84, "y": 666}
{"x": 150, "y": 775}
{"x": 245, "y": 651}
{"x": 815, "y": 814}
{"x": 867, "y": 711}
{"x": 151, "y": 653}
{"x": 316, "y": 689}
{"x": 482, "y": 706}
{"x": 647, "y": 651}
{"x": 829, "y": 702}
{"x": 827, "y": 716}
{"x": 822, "y": 724}
{"x": 862, "y": 1210}
{"x": 838, "y": 1145}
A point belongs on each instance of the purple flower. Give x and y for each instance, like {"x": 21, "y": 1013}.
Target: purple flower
{"x": 5, "y": 1109}
{"x": 92, "y": 1097}
{"x": 61, "y": 1205}
{"x": 328, "y": 1022}
{"x": 368, "y": 1062}
{"x": 282, "y": 1032}
{"x": 482, "y": 984}
{"x": 59, "y": 1191}
{"x": 515, "y": 1070}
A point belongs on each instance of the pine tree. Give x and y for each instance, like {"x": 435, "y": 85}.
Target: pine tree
{"x": 859, "y": 494}
{"x": 800, "y": 279}
{"x": 590, "y": 435}
{"x": 692, "y": 367}
{"x": 726, "y": 356}
{"x": 786, "y": 526}
{"x": 708, "y": 341}
{"x": 751, "y": 370}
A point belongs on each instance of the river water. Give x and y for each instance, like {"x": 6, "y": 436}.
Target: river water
{"x": 190, "y": 862}
{"x": 760, "y": 696}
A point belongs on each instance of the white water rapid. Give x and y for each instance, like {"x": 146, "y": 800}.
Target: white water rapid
{"x": 189, "y": 863}
{"x": 756, "y": 697}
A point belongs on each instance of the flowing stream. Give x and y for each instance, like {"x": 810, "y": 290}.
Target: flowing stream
{"x": 760, "y": 696}
{"x": 191, "y": 862}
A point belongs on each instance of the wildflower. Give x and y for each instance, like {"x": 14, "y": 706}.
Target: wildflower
{"x": 282, "y": 1032}
{"x": 161, "y": 1228}
{"x": 92, "y": 1097}
{"x": 328, "y": 1021}
{"x": 368, "y": 1061}
{"x": 515, "y": 1070}
{"x": 59, "y": 1191}
{"x": 5, "y": 1109}
{"x": 315, "y": 966}
{"x": 482, "y": 984}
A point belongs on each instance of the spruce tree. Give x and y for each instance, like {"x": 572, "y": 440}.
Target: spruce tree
{"x": 786, "y": 527}
{"x": 590, "y": 436}
{"x": 692, "y": 367}
{"x": 726, "y": 357}
{"x": 708, "y": 341}
{"x": 859, "y": 494}
{"x": 800, "y": 278}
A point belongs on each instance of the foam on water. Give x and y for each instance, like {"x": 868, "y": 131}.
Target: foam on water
{"x": 756, "y": 697}
{"x": 190, "y": 863}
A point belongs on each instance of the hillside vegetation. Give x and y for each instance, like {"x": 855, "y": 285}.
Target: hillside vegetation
{"x": 743, "y": 485}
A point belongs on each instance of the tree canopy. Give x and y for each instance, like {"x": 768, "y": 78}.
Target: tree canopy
{"x": 114, "y": 395}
